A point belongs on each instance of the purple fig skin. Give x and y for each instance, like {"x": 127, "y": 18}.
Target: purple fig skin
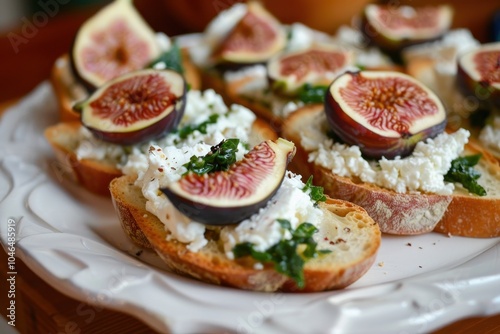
{"x": 215, "y": 215}
{"x": 371, "y": 144}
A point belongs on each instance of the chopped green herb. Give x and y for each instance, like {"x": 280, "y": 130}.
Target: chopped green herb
{"x": 219, "y": 158}
{"x": 315, "y": 192}
{"x": 172, "y": 59}
{"x": 202, "y": 127}
{"x": 312, "y": 94}
{"x": 285, "y": 254}
{"x": 462, "y": 171}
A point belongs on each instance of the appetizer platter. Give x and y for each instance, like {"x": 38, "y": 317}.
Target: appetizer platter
{"x": 261, "y": 177}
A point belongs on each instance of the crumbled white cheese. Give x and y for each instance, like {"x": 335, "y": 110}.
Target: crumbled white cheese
{"x": 423, "y": 170}
{"x": 262, "y": 229}
{"x": 164, "y": 167}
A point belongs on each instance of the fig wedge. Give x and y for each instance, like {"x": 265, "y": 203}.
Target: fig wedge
{"x": 479, "y": 74}
{"x": 255, "y": 38}
{"x": 230, "y": 196}
{"x": 317, "y": 65}
{"x": 393, "y": 28}
{"x": 135, "y": 107}
{"x": 384, "y": 113}
{"x": 111, "y": 43}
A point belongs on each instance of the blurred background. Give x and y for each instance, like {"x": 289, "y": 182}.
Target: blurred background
{"x": 33, "y": 33}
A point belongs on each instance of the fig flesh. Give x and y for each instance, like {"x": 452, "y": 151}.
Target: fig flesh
{"x": 135, "y": 107}
{"x": 385, "y": 113}
{"x": 255, "y": 38}
{"x": 317, "y": 65}
{"x": 111, "y": 43}
{"x": 479, "y": 74}
{"x": 228, "y": 197}
{"x": 393, "y": 28}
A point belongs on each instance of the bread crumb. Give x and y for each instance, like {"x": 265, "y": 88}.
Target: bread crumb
{"x": 420, "y": 266}
{"x": 408, "y": 244}
{"x": 449, "y": 235}
{"x": 381, "y": 264}
{"x": 420, "y": 248}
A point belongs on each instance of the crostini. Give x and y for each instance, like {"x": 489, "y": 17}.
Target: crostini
{"x": 405, "y": 195}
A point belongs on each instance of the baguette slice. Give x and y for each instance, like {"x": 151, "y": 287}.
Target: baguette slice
{"x": 458, "y": 214}
{"x": 348, "y": 261}
{"x": 95, "y": 175}
{"x": 68, "y": 91}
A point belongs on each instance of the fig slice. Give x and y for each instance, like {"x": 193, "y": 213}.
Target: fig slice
{"x": 385, "y": 113}
{"x": 317, "y": 65}
{"x": 394, "y": 27}
{"x": 254, "y": 39}
{"x": 228, "y": 197}
{"x": 479, "y": 74}
{"x": 135, "y": 107}
{"x": 115, "y": 41}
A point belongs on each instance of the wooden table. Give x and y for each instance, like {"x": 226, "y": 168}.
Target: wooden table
{"x": 41, "y": 308}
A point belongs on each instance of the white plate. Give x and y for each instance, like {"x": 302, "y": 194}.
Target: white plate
{"x": 73, "y": 240}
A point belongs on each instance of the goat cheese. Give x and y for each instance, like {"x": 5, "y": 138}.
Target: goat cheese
{"x": 262, "y": 229}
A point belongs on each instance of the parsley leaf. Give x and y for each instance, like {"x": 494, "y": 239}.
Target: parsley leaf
{"x": 202, "y": 127}
{"x": 219, "y": 158}
{"x": 285, "y": 256}
{"x": 315, "y": 192}
{"x": 462, "y": 171}
{"x": 172, "y": 59}
{"x": 312, "y": 94}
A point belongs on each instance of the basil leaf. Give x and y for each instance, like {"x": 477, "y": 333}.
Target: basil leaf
{"x": 220, "y": 158}
{"x": 315, "y": 192}
{"x": 284, "y": 254}
{"x": 172, "y": 59}
{"x": 462, "y": 171}
{"x": 312, "y": 94}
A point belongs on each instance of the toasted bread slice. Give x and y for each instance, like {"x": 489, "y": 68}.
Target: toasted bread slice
{"x": 68, "y": 91}
{"x": 458, "y": 214}
{"x": 95, "y": 175}
{"x": 348, "y": 261}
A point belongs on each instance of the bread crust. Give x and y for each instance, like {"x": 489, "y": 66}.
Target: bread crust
{"x": 398, "y": 213}
{"x": 212, "y": 266}
{"x": 64, "y": 96}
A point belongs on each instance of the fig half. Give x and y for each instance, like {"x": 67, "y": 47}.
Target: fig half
{"x": 135, "y": 107}
{"x": 113, "y": 42}
{"x": 479, "y": 74}
{"x": 254, "y": 39}
{"x": 230, "y": 196}
{"x": 317, "y": 65}
{"x": 393, "y": 28}
{"x": 385, "y": 113}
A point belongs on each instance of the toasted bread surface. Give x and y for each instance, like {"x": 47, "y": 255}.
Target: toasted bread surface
{"x": 349, "y": 260}
{"x": 459, "y": 214}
